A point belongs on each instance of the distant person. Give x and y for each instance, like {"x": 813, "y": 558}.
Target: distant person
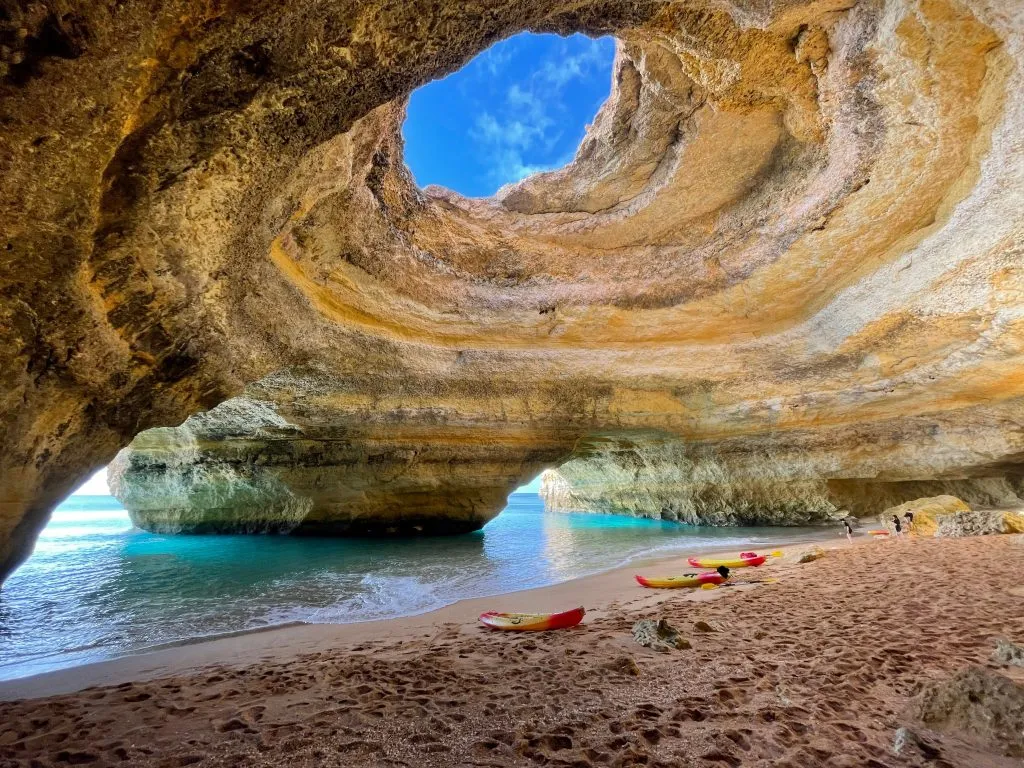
{"x": 849, "y": 528}
{"x": 909, "y": 518}
{"x": 898, "y": 525}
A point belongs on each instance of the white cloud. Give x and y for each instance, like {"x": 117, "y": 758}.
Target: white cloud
{"x": 511, "y": 132}
{"x": 510, "y": 167}
{"x": 581, "y": 65}
{"x": 495, "y": 59}
{"x": 521, "y": 129}
{"x": 517, "y": 96}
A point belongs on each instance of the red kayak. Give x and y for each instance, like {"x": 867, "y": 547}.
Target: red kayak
{"x": 532, "y": 622}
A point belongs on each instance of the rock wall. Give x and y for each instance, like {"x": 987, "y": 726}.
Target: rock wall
{"x": 795, "y": 225}
{"x": 303, "y": 453}
{"x": 762, "y": 480}
{"x": 950, "y": 516}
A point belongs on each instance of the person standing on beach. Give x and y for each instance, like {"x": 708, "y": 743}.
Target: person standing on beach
{"x": 898, "y": 526}
{"x": 909, "y": 518}
{"x": 849, "y": 529}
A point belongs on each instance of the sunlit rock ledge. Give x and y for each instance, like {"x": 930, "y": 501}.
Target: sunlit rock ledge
{"x": 793, "y": 233}
{"x": 704, "y": 485}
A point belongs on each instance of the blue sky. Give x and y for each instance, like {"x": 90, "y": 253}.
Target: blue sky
{"x": 519, "y": 107}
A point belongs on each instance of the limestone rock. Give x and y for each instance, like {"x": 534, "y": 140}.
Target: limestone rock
{"x": 781, "y": 277}
{"x": 734, "y": 482}
{"x": 978, "y": 705}
{"x": 927, "y": 512}
{"x": 659, "y": 635}
{"x": 907, "y": 743}
{"x": 981, "y": 523}
{"x": 950, "y": 516}
{"x": 810, "y": 555}
{"x": 928, "y": 508}
{"x": 623, "y": 665}
{"x": 1008, "y": 653}
{"x": 306, "y": 462}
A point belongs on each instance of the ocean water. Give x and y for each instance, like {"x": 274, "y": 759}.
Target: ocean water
{"x": 96, "y": 587}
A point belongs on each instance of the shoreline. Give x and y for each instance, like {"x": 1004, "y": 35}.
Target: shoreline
{"x": 246, "y": 646}
{"x": 813, "y": 665}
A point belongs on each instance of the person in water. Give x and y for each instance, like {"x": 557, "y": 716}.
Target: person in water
{"x": 899, "y": 526}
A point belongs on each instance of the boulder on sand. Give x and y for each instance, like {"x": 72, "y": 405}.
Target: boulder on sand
{"x": 981, "y": 523}
{"x": 950, "y": 516}
{"x": 927, "y": 513}
{"x": 810, "y": 555}
{"x": 977, "y": 705}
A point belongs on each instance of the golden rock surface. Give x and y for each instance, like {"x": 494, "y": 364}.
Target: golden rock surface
{"x": 950, "y": 516}
{"x": 791, "y": 244}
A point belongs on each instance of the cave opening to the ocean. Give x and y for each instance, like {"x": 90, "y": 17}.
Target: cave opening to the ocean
{"x": 520, "y": 107}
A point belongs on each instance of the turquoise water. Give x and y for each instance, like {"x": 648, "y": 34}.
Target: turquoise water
{"x": 96, "y": 588}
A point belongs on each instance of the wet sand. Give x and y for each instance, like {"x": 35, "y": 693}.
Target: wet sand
{"x": 815, "y": 669}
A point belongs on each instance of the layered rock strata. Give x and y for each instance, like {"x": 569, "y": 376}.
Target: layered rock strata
{"x": 794, "y": 226}
{"x": 764, "y": 480}
{"x": 304, "y": 453}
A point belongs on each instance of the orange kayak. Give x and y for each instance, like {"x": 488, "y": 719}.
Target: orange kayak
{"x": 686, "y": 580}
{"x": 532, "y": 622}
{"x": 879, "y": 533}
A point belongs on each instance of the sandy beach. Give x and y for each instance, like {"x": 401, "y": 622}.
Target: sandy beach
{"x": 814, "y": 664}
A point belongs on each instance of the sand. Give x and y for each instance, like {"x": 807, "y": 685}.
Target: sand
{"x": 815, "y": 669}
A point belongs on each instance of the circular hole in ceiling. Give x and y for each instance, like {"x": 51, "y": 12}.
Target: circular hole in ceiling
{"x": 520, "y": 107}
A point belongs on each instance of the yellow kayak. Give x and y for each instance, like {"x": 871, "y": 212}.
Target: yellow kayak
{"x": 741, "y": 562}
{"x": 686, "y": 580}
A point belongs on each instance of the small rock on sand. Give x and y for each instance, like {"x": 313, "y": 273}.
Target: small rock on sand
{"x": 624, "y": 665}
{"x": 810, "y": 555}
{"x": 659, "y": 635}
{"x": 907, "y": 743}
{"x": 703, "y": 626}
{"x": 1008, "y": 653}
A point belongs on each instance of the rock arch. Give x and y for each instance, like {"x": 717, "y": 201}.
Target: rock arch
{"x": 790, "y": 218}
